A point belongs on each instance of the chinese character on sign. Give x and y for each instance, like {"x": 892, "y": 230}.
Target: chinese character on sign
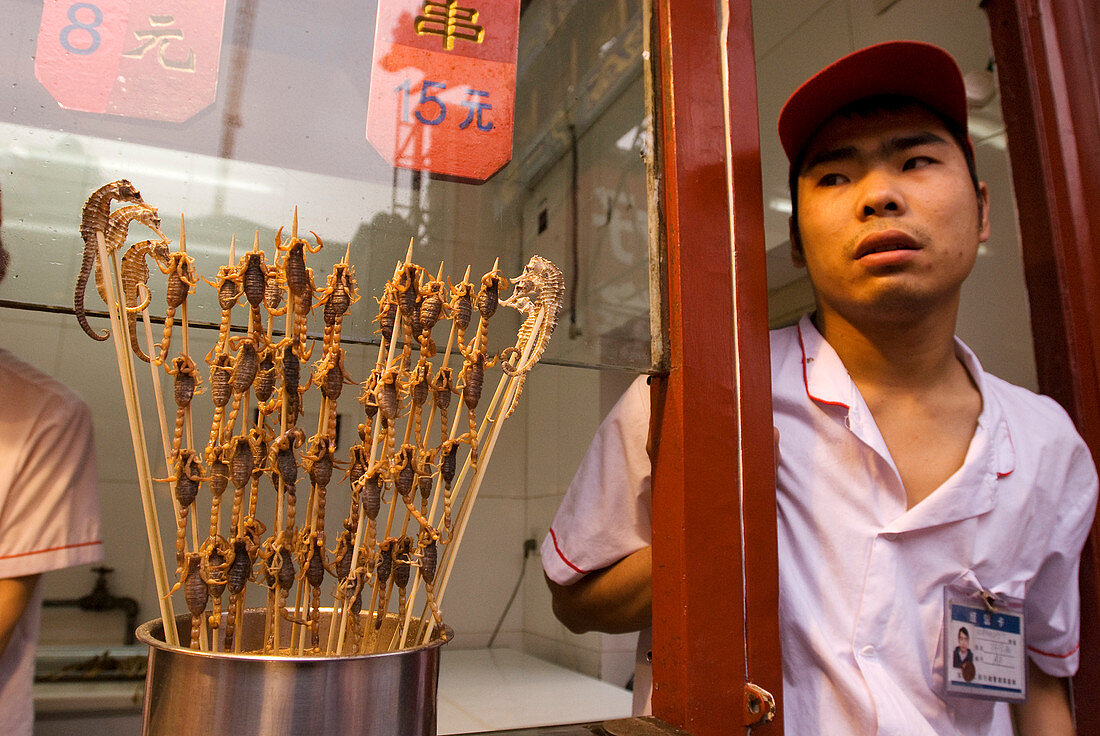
{"x": 443, "y": 83}
{"x": 449, "y": 21}
{"x": 159, "y": 34}
{"x": 476, "y": 106}
{"x": 147, "y": 59}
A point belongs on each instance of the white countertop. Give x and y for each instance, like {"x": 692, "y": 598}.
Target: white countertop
{"x": 496, "y": 689}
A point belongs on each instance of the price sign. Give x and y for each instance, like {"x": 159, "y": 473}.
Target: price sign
{"x": 149, "y": 59}
{"x": 443, "y": 81}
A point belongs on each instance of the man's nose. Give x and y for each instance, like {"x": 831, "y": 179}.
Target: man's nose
{"x": 880, "y": 196}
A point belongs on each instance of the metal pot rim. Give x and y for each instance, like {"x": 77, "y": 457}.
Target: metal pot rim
{"x": 152, "y": 632}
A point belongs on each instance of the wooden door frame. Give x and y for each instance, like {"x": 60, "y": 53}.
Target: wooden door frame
{"x": 1048, "y": 64}
{"x": 716, "y": 598}
{"x": 715, "y": 569}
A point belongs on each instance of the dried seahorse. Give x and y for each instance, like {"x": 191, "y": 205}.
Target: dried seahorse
{"x": 135, "y": 271}
{"x": 93, "y": 217}
{"x": 542, "y": 281}
{"x": 118, "y": 227}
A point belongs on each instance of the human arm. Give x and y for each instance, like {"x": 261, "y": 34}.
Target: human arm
{"x": 1047, "y": 710}
{"x": 614, "y": 600}
{"x": 14, "y": 594}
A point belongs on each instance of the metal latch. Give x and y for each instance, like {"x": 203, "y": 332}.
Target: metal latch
{"x": 759, "y": 705}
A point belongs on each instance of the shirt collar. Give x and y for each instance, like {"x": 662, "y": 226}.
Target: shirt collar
{"x": 827, "y": 383}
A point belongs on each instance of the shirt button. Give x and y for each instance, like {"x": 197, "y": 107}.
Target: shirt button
{"x": 867, "y": 651}
{"x": 889, "y": 536}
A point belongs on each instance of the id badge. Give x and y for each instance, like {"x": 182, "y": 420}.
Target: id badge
{"x": 983, "y": 644}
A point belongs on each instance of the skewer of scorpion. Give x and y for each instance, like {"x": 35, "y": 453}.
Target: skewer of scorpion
{"x": 254, "y": 363}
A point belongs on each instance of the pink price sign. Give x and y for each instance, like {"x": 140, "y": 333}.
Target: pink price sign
{"x": 149, "y": 59}
{"x": 443, "y": 83}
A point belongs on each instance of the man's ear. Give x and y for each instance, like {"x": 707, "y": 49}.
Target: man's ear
{"x": 797, "y": 257}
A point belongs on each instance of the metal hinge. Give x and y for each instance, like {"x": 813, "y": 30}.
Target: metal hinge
{"x": 759, "y": 705}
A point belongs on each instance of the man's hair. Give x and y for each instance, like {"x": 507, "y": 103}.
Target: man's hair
{"x": 869, "y": 107}
{"x": 964, "y": 632}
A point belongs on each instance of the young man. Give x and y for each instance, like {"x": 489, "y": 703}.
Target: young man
{"x": 904, "y": 469}
{"x": 49, "y": 513}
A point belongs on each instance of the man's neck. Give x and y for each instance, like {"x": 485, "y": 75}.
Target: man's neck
{"x": 907, "y": 356}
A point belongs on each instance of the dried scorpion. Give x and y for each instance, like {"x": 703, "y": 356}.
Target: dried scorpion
{"x": 188, "y": 475}
{"x": 291, "y": 369}
{"x": 488, "y": 297}
{"x": 220, "y": 393}
{"x": 432, "y": 308}
{"x": 243, "y": 373}
{"x": 473, "y": 378}
{"x": 339, "y": 294}
{"x": 285, "y": 467}
{"x": 254, "y": 275}
{"x": 299, "y": 282}
{"x": 230, "y": 291}
{"x": 182, "y": 277}
{"x": 461, "y": 308}
{"x": 239, "y": 566}
{"x": 408, "y": 297}
{"x": 95, "y": 216}
{"x": 185, "y": 386}
{"x": 387, "y": 311}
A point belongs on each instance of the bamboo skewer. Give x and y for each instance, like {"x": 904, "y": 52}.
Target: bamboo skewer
{"x": 405, "y": 447}
{"x": 447, "y": 557}
{"x": 141, "y": 453}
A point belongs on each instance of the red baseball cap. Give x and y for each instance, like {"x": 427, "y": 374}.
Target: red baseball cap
{"x": 924, "y": 72}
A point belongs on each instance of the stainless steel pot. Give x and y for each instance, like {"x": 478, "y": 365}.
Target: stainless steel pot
{"x": 195, "y": 692}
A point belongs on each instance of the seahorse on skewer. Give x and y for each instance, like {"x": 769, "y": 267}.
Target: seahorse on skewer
{"x": 542, "y": 282}
{"x": 95, "y": 216}
{"x": 135, "y": 273}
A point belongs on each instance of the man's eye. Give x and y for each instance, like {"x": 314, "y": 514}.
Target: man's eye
{"x": 917, "y": 162}
{"x": 831, "y": 180}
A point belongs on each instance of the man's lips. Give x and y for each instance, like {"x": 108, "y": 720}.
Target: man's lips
{"x": 884, "y": 242}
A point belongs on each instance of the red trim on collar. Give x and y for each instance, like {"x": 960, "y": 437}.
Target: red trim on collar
{"x": 805, "y": 380}
{"x": 1070, "y": 653}
{"x": 1013, "y": 446}
{"x": 554, "y": 539}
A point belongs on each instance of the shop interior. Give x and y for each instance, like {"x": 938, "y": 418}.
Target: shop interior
{"x": 285, "y": 134}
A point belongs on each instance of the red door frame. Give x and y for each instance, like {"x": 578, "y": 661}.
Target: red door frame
{"x": 1048, "y": 61}
{"x": 715, "y": 599}
{"x": 707, "y": 581}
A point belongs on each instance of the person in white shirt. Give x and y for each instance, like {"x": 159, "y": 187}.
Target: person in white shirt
{"x": 49, "y": 513}
{"x": 903, "y": 468}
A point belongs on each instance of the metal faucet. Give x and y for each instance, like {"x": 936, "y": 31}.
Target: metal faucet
{"x": 101, "y": 599}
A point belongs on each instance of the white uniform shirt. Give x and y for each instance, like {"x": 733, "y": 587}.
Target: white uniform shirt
{"x": 862, "y": 577}
{"x": 49, "y": 515}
